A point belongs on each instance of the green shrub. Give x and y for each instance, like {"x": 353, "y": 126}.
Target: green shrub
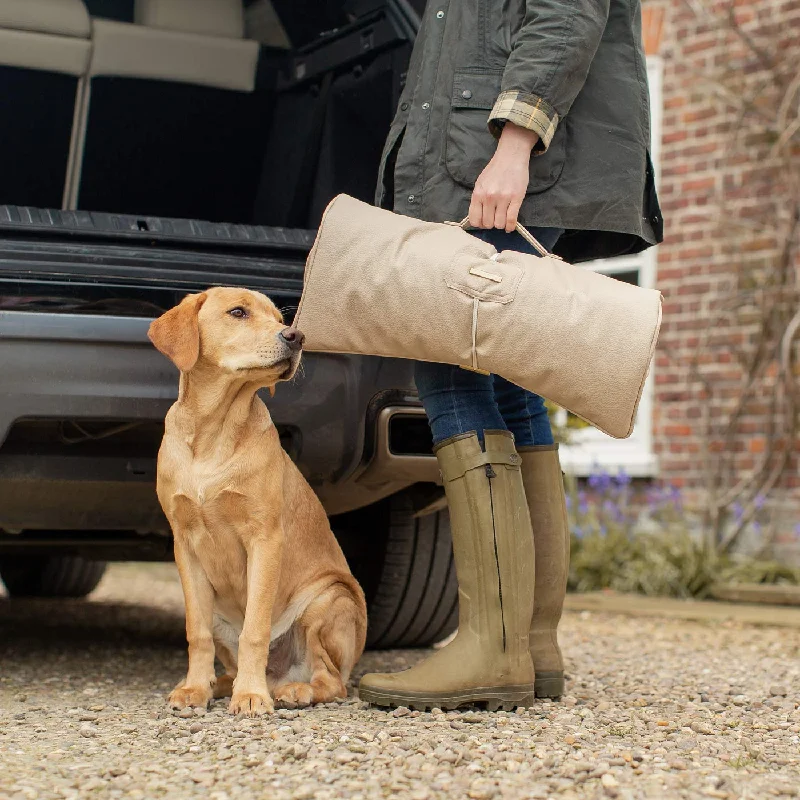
{"x": 649, "y": 547}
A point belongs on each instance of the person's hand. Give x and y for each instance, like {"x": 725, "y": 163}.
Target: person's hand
{"x": 501, "y": 187}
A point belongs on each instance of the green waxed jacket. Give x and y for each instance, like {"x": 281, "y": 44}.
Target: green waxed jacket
{"x": 572, "y": 70}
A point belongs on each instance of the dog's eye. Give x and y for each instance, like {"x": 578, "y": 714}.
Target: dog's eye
{"x": 238, "y": 312}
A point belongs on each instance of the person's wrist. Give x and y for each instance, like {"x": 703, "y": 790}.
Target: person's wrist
{"x": 516, "y": 139}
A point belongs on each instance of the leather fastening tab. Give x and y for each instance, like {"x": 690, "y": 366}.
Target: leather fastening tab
{"x": 491, "y": 279}
{"x": 462, "y": 466}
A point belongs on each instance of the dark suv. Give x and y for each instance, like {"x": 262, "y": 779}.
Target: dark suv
{"x": 190, "y": 145}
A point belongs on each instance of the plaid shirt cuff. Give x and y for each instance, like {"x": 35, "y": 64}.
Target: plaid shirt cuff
{"x": 527, "y": 111}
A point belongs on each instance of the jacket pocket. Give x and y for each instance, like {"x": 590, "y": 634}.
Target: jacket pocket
{"x": 470, "y": 146}
{"x": 488, "y": 279}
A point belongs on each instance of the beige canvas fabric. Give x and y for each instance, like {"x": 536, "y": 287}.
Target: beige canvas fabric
{"x": 378, "y": 283}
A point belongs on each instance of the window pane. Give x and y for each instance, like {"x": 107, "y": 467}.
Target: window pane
{"x": 631, "y": 276}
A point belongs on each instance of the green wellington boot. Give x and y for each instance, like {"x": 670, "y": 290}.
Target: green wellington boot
{"x": 544, "y": 488}
{"x": 488, "y": 663}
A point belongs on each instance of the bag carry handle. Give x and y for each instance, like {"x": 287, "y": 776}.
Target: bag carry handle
{"x": 522, "y": 231}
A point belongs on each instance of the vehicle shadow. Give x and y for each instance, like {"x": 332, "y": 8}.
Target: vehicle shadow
{"x": 61, "y": 652}
{"x": 78, "y": 646}
{"x": 132, "y": 625}
{"x": 66, "y": 624}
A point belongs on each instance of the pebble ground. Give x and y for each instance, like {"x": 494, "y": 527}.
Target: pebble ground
{"x": 655, "y": 709}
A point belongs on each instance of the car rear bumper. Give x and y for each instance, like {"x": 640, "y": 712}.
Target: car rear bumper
{"x": 77, "y": 367}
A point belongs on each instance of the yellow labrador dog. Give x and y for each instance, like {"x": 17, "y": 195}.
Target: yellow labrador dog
{"x": 267, "y": 587}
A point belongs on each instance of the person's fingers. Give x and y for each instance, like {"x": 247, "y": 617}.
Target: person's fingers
{"x": 489, "y": 205}
{"x": 475, "y": 212}
{"x": 500, "y": 214}
{"x": 512, "y": 215}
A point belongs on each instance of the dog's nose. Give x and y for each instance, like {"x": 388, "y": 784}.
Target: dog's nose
{"x": 293, "y": 338}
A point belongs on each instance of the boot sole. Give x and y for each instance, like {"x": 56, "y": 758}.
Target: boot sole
{"x": 500, "y": 698}
{"x": 549, "y": 684}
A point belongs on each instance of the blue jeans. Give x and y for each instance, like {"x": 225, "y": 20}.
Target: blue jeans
{"x": 459, "y": 401}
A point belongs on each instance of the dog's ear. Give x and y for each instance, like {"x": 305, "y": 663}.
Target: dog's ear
{"x": 177, "y": 333}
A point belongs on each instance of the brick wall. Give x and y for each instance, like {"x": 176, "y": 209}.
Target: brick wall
{"x": 710, "y": 185}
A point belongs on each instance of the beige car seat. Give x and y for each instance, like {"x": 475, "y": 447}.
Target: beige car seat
{"x": 44, "y": 54}
{"x": 171, "y": 124}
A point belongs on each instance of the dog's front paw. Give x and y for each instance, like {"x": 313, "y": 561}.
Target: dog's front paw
{"x": 251, "y": 704}
{"x": 189, "y": 697}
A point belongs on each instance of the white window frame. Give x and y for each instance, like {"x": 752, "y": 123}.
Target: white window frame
{"x": 588, "y": 449}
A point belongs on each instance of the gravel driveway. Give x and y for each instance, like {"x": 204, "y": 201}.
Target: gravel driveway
{"x": 656, "y": 709}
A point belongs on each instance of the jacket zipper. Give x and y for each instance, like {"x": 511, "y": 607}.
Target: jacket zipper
{"x": 490, "y": 473}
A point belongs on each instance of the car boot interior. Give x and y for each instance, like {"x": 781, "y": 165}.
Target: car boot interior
{"x": 245, "y": 112}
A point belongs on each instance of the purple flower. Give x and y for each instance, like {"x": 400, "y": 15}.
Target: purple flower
{"x": 568, "y": 500}
{"x": 583, "y": 503}
{"x": 600, "y": 481}
{"x": 797, "y": 530}
{"x": 759, "y": 501}
{"x": 578, "y": 531}
{"x": 738, "y": 511}
{"x": 623, "y": 479}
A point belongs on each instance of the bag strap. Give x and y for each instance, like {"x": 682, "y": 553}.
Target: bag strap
{"x": 453, "y": 470}
{"x": 522, "y": 231}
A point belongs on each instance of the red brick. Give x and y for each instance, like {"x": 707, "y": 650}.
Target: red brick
{"x": 694, "y": 288}
{"x": 677, "y": 430}
{"x": 698, "y": 184}
{"x": 674, "y": 136}
{"x": 696, "y": 252}
{"x": 697, "y": 116}
{"x": 676, "y": 101}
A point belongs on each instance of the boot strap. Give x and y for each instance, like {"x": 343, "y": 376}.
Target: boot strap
{"x": 457, "y": 468}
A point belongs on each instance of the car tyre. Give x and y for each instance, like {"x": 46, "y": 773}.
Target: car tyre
{"x": 405, "y": 565}
{"x": 50, "y": 576}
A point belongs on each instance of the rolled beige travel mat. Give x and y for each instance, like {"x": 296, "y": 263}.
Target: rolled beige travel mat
{"x": 378, "y": 283}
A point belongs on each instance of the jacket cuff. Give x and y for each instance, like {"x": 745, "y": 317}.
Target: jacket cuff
{"x": 528, "y": 111}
